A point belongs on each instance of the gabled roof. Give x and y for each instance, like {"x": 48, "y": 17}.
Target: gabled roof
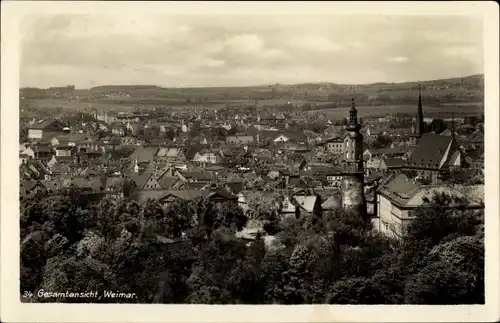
{"x": 400, "y": 189}
{"x": 288, "y": 206}
{"x": 48, "y": 124}
{"x": 306, "y": 202}
{"x": 430, "y": 150}
{"x": 167, "y": 182}
{"x": 223, "y": 193}
{"x": 186, "y": 195}
{"x": 144, "y": 154}
{"x": 140, "y": 179}
{"x": 235, "y": 187}
{"x": 474, "y": 194}
{"x": 393, "y": 162}
{"x": 28, "y": 184}
{"x": 200, "y": 175}
{"x": 332, "y": 202}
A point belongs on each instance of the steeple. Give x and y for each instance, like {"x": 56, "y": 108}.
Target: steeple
{"x": 353, "y": 177}
{"x": 453, "y": 125}
{"x": 352, "y": 124}
{"x": 419, "y": 126}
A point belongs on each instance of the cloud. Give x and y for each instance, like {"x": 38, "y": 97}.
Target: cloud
{"x": 244, "y": 43}
{"x": 246, "y": 49}
{"x": 214, "y": 62}
{"x": 398, "y": 59}
{"x": 315, "y": 43}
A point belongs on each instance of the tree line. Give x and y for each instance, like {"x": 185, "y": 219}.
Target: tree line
{"x": 187, "y": 252}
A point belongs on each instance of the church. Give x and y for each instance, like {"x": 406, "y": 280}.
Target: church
{"x": 433, "y": 156}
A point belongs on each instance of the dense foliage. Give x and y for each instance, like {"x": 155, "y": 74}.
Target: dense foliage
{"x": 188, "y": 253}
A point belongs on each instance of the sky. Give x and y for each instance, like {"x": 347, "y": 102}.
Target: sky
{"x": 244, "y": 50}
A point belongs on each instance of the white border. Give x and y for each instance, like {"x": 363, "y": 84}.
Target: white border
{"x": 12, "y": 310}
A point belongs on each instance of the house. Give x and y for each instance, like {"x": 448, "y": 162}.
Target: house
{"x": 26, "y": 154}
{"x": 170, "y": 182}
{"x": 332, "y": 203}
{"x": 184, "y": 195}
{"x": 146, "y": 181}
{"x": 213, "y": 194}
{"x": 43, "y": 151}
{"x": 400, "y": 195}
{"x": 289, "y": 208}
{"x": 199, "y": 175}
{"x": 32, "y": 187}
{"x": 387, "y": 164}
{"x": 45, "y": 129}
{"x": 301, "y": 205}
{"x": 208, "y": 157}
{"x": 281, "y": 138}
{"x": 151, "y": 130}
{"x": 64, "y": 151}
{"x": 118, "y": 129}
{"x": 144, "y": 154}
{"x": 434, "y": 154}
{"x": 169, "y": 155}
{"x": 334, "y": 145}
{"x": 240, "y": 139}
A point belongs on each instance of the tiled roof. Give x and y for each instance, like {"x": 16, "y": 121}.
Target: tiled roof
{"x": 28, "y": 184}
{"x": 288, "y": 206}
{"x": 474, "y": 194}
{"x": 235, "y": 187}
{"x": 306, "y": 202}
{"x": 167, "y": 182}
{"x": 393, "y": 162}
{"x": 155, "y": 195}
{"x": 430, "y": 151}
{"x": 331, "y": 203}
{"x": 200, "y": 175}
{"x": 197, "y": 185}
{"x": 397, "y": 150}
{"x": 400, "y": 189}
{"x": 140, "y": 179}
{"x": 222, "y": 193}
{"x": 45, "y": 123}
{"x": 186, "y": 195}
{"x": 144, "y": 154}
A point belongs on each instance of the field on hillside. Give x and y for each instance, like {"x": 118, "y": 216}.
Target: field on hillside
{"x": 383, "y": 110}
{"x": 336, "y": 113}
{"x": 75, "y": 105}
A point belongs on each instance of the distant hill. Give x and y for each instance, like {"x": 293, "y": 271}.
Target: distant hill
{"x": 452, "y": 90}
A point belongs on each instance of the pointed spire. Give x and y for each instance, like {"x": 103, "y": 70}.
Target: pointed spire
{"x": 453, "y": 125}
{"x": 419, "y": 129}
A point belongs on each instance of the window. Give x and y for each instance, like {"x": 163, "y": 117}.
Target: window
{"x": 347, "y": 143}
{"x": 347, "y": 155}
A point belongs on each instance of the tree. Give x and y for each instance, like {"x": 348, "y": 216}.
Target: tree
{"x": 204, "y": 212}
{"x": 32, "y": 260}
{"x": 353, "y": 290}
{"x": 382, "y": 141}
{"x": 209, "y": 295}
{"x": 297, "y": 279}
{"x": 439, "y": 284}
{"x": 61, "y": 211}
{"x": 230, "y": 215}
{"x": 195, "y": 129}
{"x": 178, "y": 217}
{"x": 244, "y": 281}
{"x": 129, "y": 188}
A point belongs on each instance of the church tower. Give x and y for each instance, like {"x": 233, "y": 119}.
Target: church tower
{"x": 418, "y": 128}
{"x": 352, "y": 182}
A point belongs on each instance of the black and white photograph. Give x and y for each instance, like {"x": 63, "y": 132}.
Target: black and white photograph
{"x": 246, "y": 158}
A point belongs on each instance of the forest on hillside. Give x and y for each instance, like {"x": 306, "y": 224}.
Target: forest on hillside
{"x": 188, "y": 253}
